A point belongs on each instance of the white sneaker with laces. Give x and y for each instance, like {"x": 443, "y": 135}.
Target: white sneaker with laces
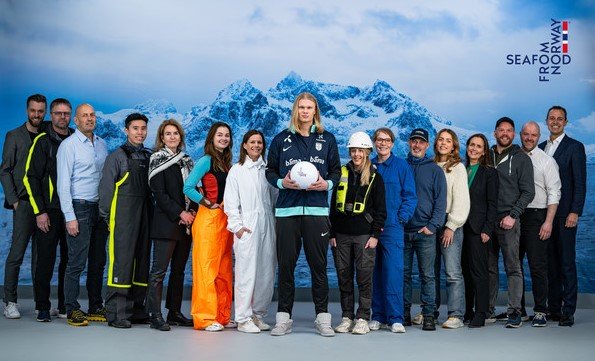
{"x": 345, "y": 326}
{"x": 323, "y": 324}
{"x": 361, "y": 327}
{"x": 282, "y": 325}
{"x": 376, "y": 325}
{"x": 418, "y": 319}
{"x": 259, "y": 322}
{"x": 214, "y": 327}
{"x": 453, "y": 322}
{"x": 11, "y": 311}
{"x": 397, "y": 328}
{"x": 248, "y": 327}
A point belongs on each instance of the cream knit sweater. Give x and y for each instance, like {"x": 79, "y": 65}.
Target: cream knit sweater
{"x": 457, "y": 196}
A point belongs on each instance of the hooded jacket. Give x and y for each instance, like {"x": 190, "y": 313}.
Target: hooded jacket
{"x": 430, "y": 186}
{"x": 516, "y": 186}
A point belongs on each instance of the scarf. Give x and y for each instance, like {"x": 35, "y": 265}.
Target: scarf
{"x": 165, "y": 158}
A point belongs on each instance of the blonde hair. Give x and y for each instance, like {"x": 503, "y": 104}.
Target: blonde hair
{"x": 365, "y": 168}
{"x": 294, "y": 123}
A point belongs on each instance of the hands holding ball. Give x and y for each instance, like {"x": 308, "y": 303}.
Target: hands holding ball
{"x": 305, "y": 176}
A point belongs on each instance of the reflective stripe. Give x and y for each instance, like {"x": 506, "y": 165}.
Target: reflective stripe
{"x": 112, "y": 227}
{"x": 358, "y": 207}
{"x": 301, "y": 211}
{"x": 51, "y": 184}
{"x": 26, "y": 179}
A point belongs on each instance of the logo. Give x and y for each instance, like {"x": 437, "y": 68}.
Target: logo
{"x": 318, "y": 146}
{"x": 288, "y": 139}
{"x": 316, "y": 160}
{"x": 291, "y": 162}
{"x": 284, "y": 149}
{"x": 324, "y": 234}
{"x": 552, "y": 56}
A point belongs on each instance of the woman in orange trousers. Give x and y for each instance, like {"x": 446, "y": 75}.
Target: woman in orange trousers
{"x": 212, "y": 243}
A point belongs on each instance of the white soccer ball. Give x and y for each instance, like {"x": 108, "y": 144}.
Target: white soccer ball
{"x": 304, "y": 174}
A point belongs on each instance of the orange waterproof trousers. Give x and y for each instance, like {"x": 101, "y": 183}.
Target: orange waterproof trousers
{"x": 212, "y": 279}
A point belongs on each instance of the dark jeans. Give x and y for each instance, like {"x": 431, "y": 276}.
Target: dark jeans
{"x": 46, "y": 244}
{"x": 475, "y": 271}
{"x": 536, "y": 251}
{"x": 165, "y": 251}
{"x": 350, "y": 252}
{"x": 89, "y": 245}
{"x": 314, "y": 230}
{"x": 425, "y": 248}
{"x": 562, "y": 269}
{"x": 23, "y": 227}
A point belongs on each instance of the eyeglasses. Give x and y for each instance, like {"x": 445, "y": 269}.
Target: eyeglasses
{"x": 62, "y": 114}
{"x": 384, "y": 140}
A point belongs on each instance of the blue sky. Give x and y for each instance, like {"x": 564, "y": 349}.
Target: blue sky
{"x": 449, "y": 56}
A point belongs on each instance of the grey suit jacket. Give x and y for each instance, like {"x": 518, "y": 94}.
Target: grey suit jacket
{"x": 12, "y": 170}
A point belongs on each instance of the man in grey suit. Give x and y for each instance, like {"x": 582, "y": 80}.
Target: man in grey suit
{"x": 12, "y": 170}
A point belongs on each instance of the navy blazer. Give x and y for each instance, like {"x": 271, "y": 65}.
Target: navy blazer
{"x": 572, "y": 163}
{"x": 483, "y": 194}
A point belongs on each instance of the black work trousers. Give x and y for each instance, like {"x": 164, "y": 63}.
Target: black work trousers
{"x": 46, "y": 245}
{"x": 314, "y": 231}
{"x": 351, "y": 256}
{"x": 536, "y": 251}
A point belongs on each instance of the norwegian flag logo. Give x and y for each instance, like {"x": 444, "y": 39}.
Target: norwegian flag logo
{"x": 564, "y": 37}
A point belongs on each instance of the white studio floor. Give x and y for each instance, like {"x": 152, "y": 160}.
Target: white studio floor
{"x": 25, "y": 340}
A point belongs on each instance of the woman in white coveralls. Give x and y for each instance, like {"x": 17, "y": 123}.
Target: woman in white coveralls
{"x": 248, "y": 201}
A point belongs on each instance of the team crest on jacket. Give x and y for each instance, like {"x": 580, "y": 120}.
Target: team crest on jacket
{"x": 318, "y": 146}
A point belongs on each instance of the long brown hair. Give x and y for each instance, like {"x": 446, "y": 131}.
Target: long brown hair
{"x": 486, "y": 159}
{"x": 250, "y": 133}
{"x": 454, "y": 157}
{"x": 159, "y": 144}
{"x": 221, "y": 160}
{"x": 294, "y": 123}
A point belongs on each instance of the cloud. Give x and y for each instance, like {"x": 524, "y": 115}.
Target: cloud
{"x": 587, "y": 123}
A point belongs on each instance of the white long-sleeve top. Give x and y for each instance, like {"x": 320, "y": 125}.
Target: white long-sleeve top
{"x": 247, "y": 195}
{"x": 458, "y": 202}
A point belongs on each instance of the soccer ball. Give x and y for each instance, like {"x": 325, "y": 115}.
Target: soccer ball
{"x": 304, "y": 174}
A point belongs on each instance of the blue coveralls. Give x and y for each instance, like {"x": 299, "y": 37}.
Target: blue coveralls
{"x": 401, "y": 200}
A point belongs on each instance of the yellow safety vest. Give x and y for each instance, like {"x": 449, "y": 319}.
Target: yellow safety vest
{"x": 358, "y": 207}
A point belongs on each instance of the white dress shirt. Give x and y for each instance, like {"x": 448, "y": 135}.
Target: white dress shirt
{"x": 551, "y": 146}
{"x": 547, "y": 179}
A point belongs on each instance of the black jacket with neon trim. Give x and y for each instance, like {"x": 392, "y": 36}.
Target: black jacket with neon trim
{"x": 41, "y": 171}
{"x": 357, "y": 224}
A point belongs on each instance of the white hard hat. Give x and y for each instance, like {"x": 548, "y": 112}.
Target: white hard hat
{"x": 359, "y": 140}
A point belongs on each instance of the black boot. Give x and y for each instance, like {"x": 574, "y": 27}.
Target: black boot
{"x": 479, "y": 320}
{"x": 429, "y": 324}
{"x": 158, "y": 323}
{"x": 176, "y": 318}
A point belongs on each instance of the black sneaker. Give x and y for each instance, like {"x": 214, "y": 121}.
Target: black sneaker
{"x": 502, "y": 317}
{"x": 429, "y": 324}
{"x": 97, "y": 316}
{"x": 77, "y": 318}
{"x": 539, "y": 320}
{"x": 514, "y": 320}
{"x": 158, "y": 323}
{"x": 566, "y": 321}
{"x": 120, "y": 324}
{"x": 555, "y": 317}
{"x": 44, "y": 316}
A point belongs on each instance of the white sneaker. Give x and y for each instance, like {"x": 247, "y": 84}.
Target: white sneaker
{"x": 231, "y": 324}
{"x": 282, "y": 325}
{"x": 62, "y": 315}
{"x": 214, "y": 327}
{"x": 397, "y": 328}
{"x": 418, "y": 319}
{"x": 248, "y": 327}
{"x": 453, "y": 322}
{"x": 323, "y": 324}
{"x": 361, "y": 327}
{"x": 54, "y": 312}
{"x": 11, "y": 311}
{"x": 376, "y": 325}
{"x": 345, "y": 326}
{"x": 259, "y": 322}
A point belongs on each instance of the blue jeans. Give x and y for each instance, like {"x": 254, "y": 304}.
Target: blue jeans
{"x": 455, "y": 284}
{"x": 89, "y": 244}
{"x": 425, "y": 248}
